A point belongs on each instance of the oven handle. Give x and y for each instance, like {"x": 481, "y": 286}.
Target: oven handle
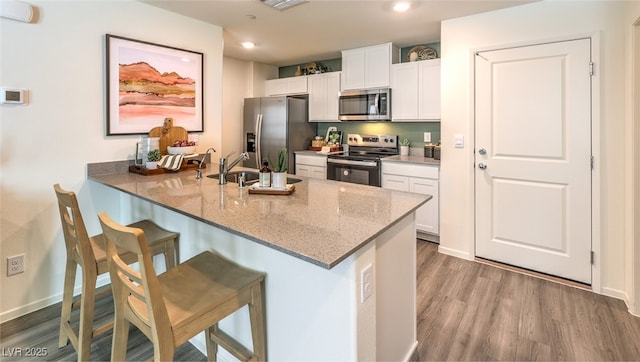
{"x": 353, "y": 162}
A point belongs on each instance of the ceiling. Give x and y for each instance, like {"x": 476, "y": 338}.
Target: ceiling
{"x": 319, "y": 29}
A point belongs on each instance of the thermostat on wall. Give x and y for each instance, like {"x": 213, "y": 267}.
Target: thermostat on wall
{"x": 14, "y": 96}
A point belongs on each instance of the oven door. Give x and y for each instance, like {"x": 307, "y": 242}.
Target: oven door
{"x": 354, "y": 171}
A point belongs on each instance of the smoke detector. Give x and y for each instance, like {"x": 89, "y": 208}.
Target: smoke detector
{"x": 282, "y": 4}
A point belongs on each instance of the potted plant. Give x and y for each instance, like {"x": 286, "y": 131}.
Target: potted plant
{"x": 404, "y": 147}
{"x": 152, "y": 159}
{"x": 279, "y": 179}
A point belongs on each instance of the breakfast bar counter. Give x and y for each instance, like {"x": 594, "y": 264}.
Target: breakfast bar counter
{"x": 339, "y": 257}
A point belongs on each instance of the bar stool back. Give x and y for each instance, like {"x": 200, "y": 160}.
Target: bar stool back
{"x": 175, "y": 306}
{"x": 90, "y": 254}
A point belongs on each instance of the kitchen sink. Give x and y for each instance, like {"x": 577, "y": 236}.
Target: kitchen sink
{"x": 250, "y": 177}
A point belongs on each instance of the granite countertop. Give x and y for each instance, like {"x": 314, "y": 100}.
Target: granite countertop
{"x": 412, "y": 159}
{"x": 322, "y": 221}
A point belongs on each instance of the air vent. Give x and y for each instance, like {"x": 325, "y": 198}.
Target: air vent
{"x": 283, "y": 4}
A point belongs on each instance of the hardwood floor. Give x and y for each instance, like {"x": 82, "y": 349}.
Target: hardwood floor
{"x": 473, "y": 311}
{"x": 466, "y": 311}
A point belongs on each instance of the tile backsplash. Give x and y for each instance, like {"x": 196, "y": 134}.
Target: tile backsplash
{"x": 414, "y": 131}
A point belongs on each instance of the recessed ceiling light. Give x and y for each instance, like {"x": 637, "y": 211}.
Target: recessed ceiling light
{"x": 402, "y": 6}
{"x": 282, "y": 4}
{"x": 248, "y": 44}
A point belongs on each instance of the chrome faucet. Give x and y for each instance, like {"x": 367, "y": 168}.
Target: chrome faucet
{"x": 199, "y": 170}
{"x": 226, "y": 167}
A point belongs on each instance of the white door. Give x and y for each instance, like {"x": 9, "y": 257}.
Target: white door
{"x": 533, "y": 158}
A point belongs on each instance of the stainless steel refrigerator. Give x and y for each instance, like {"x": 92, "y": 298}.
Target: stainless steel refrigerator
{"x": 273, "y": 123}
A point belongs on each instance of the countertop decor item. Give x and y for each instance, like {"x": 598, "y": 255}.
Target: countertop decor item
{"x": 279, "y": 177}
{"x": 404, "y": 147}
{"x": 152, "y": 159}
{"x": 281, "y": 164}
{"x": 257, "y": 189}
{"x": 168, "y": 135}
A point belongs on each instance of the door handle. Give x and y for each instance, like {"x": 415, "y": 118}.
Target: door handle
{"x": 482, "y": 151}
{"x": 258, "y": 140}
{"x": 482, "y": 166}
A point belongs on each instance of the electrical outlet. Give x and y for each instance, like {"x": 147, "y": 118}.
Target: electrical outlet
{"x": 427, "y": 136}
{"x": 15, "y": 264}
{"x": 366, "y": 283}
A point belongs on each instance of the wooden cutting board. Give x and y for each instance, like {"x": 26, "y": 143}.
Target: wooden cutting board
{"x": 168, "y": 134}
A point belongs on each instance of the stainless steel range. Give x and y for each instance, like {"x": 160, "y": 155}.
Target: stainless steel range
{"x": 361, "y": 165}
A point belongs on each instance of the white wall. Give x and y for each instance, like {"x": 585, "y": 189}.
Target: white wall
{"x": 60, "y": 59}
{"x": 529, "y": 24}
{"x": 236, "y": 86}
{"x": 241, "y": 79}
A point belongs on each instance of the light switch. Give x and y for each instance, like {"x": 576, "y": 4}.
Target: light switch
{"x": 459, "y": 141}
{"x": 427, "y": 137}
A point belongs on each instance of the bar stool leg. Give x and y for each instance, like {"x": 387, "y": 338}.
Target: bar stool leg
{"x": 257, "y": 317}
{"x": 212, "y": 347}
{"x": 67, "y": 302}
{"x": 87, "y": 306}
{"x": 120, "y": 337}
{"x": 171, "y": 254}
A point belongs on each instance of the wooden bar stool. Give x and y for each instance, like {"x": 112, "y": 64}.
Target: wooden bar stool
{"x": 90, "y": 254}
{"x": 175, "y": 306}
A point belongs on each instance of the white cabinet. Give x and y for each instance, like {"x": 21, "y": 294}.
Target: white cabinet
{"x": 311, "y": 165}
{"x": 421, "y": 179}
{"x": 284, "y": 86}
{"x": 416, "y": 91}
{"x": 368, "y": 67}
{"x": 323, "y": 97}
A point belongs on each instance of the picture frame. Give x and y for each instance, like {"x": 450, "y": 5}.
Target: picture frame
{"x": 334, "y": 134}
{"x": 147, "y": 82}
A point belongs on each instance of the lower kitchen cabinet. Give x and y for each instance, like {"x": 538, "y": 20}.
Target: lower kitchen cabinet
{"x": 311, "y": 165}
{"x": 422, "y": 179}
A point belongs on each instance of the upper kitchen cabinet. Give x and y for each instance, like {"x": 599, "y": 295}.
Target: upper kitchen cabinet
{"x": 368, "y": 67}
{"x": 323, "y": 97}
{"x": 286, "y": 86}
{"x": 416, "y": 91}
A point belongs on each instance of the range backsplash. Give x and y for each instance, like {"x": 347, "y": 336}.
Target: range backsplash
{"x": 414, "y": 131}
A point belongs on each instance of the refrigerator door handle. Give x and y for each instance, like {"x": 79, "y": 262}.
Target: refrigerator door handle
{"x": 258, "y": 140}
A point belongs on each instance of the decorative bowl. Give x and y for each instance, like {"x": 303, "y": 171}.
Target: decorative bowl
{"x": 181, "y": 150}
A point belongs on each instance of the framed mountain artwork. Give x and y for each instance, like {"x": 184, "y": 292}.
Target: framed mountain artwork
{"x": 147, "y": 83}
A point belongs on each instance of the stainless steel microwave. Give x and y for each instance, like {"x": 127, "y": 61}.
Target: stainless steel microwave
{"x": 365, "y": 105}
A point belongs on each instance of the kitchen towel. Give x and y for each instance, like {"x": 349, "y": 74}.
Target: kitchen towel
{"x": 171, "y": 162}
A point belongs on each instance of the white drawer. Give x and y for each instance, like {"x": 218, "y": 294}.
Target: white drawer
{"x": 411, "y": 170}
{"x": 311, "y": 160}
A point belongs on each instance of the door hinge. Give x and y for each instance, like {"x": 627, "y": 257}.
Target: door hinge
{"x": 592, "y": 161}
{"x": 591, "y": 68}
{"x": 593, "y": 258}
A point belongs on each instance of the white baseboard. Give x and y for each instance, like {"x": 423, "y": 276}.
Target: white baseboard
{"x": 454, "y": 252}
{"x": 619, "y": 294}
{"x": 412, "y": 350}
{"x": 45, "y": 302}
